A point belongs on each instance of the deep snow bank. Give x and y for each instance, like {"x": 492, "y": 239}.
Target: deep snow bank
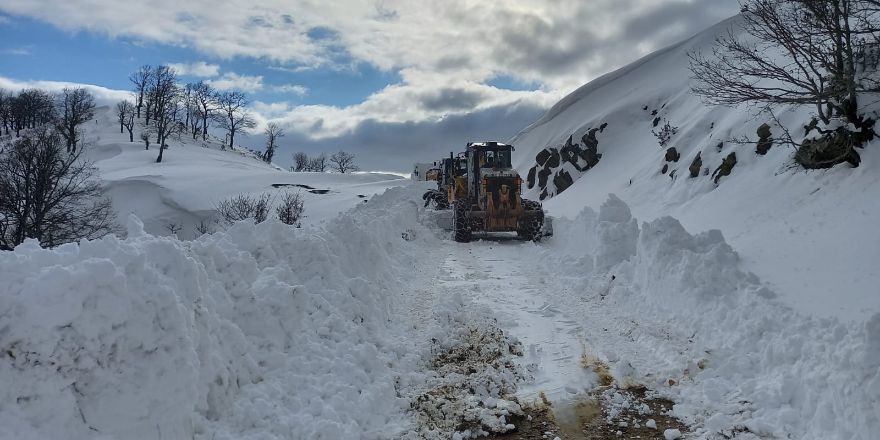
{"x": 742, "y": 360}
{"x": 259, "y": 331}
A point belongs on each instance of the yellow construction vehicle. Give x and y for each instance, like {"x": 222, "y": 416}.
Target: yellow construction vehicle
{"x": 487, "y": 195}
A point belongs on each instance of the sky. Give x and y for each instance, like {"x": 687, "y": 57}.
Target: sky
{"x": 393, "y": 81}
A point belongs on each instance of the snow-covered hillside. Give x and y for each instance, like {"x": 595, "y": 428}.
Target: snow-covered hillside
{"x": 195, "y": 175}
{"x": 812, "y": 236}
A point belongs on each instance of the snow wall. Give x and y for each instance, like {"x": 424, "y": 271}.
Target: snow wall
{"x": 151, "y": 337}
{"x": 754, "y": 364}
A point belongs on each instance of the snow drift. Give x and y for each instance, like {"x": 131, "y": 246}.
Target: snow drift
{"x": 260, "y": 331}
{"x": 742, "y": 360}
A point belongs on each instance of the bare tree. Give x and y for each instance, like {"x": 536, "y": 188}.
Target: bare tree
{"x": 272, "y": 132}
{"x": 188, "y": 101}
{"x": 203, "y": 227}
{"x": 165, "y": 95}
{"x": 125, "y": 111}
{"x": 195, "y": 120}
{"x": 244, "y": 207}
{"x": 48, "y": 194}
{"x": 6, "y": 99}
{"x": 232, "y": 114}
{"x": 174, "y": 228}
{"x": 343, "y": 162}
{"x": 318, "y": 163}
{"x": 205, "y": 99}
{"x": 141, "y": 81}
{"x": 145, "y": 136}
{"x": 290, "y": 209}
{"x": 797, "y": 52}
{"x": 121, "y": 110}
{"x": 31, "y": 109}
{"x": 75, "y": 106}
{"x": 300, "y": 161}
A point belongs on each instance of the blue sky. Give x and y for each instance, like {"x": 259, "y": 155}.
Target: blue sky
{"x": 34, "y": 50}
{"x": 394, "y": 80}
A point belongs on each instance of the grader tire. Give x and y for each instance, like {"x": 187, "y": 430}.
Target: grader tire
{"x": 531, "y": 229}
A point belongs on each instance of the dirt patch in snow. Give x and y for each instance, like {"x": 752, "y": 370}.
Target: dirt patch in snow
{"x": 605, "y": 415}
{"x": 635, "y": 413}
{"x": 470, "y": 393}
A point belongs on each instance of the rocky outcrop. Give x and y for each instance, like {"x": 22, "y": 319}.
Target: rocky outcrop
{"x": 562, "y": 181}
{"x": 550, "y": 161}
{"x": 672, "y": 155}
{"x": 765, "y": 140}
{"x": 725, "y": 168}
{"x": 827, "y": 151}
{"x": 696, "y": 165}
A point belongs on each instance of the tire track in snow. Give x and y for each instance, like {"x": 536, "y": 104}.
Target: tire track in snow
{"x": 494, "y": 274}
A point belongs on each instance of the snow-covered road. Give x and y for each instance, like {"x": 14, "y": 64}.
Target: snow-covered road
{"x": 498, "y": 273}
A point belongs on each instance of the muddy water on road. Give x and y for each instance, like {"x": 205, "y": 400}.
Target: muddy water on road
{"x": 571, "y": 417}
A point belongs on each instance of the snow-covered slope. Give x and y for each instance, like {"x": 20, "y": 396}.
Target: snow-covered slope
{"x": 195, "y": 175}
{"x": 812, "y": 236}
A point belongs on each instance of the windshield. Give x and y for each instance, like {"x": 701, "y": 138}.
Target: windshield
{"x": 495, "y": 159}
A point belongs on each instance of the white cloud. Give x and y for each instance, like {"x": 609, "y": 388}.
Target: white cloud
{"x": 420, "y": 98}
{"x": 445, "y": 52}
{"x": 103, "y": 95}
{"x": 17, "y": 51}
{"x": 560, "y": 44}
{"x": 234, "y": 81}
{"x": 198, "y": 68}
{"x": 294, "y": 89}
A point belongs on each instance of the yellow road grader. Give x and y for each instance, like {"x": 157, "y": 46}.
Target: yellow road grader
{"x": 487, "y": 195}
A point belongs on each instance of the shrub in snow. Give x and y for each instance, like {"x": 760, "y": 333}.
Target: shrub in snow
{"x": 244, "y": 207}
{"x": 290, "y": 208}
{"x": 665, "y": 133}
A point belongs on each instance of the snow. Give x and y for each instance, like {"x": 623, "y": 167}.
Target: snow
{"x": 810, "y": 235}
{"x": 682, "y": 307}
{"x": 261, "y": 331}
{"x": 672, "y": 434}
{"x": 195, "y": 175}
